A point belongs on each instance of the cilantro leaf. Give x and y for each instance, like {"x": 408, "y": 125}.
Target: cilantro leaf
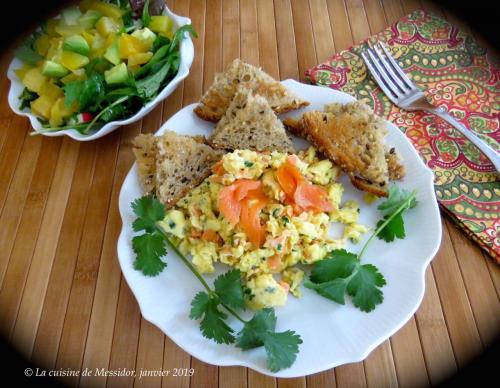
{"x": 229, "y": 289}
{"x": 394, "y": 229}
{"x": 251, "y": 336}
{"x": 281, "y": 349}
{"x": 338, "y": 264}
{"x": 198, "y": 305}
{"x": 342, "y": 272}
{"x": 392, "y": 210}
{"x": 212, "y": 323}
{"x": 397, "y": 197}
{"x": 149, "y": 210}
{"x": 333, "y": 289}
{"x": 363, "y": 287}
{"x": 149, "y": 247}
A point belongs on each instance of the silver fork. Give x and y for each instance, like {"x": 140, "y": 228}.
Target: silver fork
{"x": 403, "y": 93}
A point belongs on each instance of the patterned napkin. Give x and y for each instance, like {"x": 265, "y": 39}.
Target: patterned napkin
{"x": 458, "y": 73}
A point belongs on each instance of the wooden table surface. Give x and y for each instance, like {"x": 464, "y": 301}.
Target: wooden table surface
{"x": 63, "y": 300}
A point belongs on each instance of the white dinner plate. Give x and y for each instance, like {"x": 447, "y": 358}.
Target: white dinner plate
{"x": 332, "y": 334}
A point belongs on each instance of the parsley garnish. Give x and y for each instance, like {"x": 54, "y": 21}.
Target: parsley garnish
{"x": 210, "y": 306}
{"x": 341, "y": 272}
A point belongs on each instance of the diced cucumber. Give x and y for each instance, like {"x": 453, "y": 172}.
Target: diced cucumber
{"x": 89, "y": 18}
{"x": 117, "y": 74}
{"x": 76, "y": 44}
{"x": 112, "y": 54}
{"x": 53, "y": 69}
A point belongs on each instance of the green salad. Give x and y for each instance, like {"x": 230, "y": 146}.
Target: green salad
{"x": 97, "y": 62}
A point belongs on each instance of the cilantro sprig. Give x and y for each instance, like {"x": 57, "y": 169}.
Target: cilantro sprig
{"x": 341, "y": 272}
{"x": 212, "y": 306}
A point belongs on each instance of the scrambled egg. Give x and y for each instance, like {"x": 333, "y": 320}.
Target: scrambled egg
{"x": 270, "y": 271}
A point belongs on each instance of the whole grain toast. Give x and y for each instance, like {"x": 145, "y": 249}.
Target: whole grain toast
{"x": 171, "y": 165}
{"x": 250, "y": 123}
{"x": 217, "y": 98}
{"x": 352, "y": 136}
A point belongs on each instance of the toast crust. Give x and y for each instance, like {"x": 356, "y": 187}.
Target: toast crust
{"x": 171, "y": 165}
{"x": 250, "y": 123}
{"x": 352, "y": 137}
{"x": 217, "y": 98}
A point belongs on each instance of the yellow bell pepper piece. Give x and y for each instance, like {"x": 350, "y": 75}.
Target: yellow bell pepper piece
{"x": 51, "y": 27}
{"x": 42, "y": 45}
{"x": 51, "y": 91}
{"x": 161, "y": 24}
{"x": 75, "y": 75}
{"x": 21, "y": 72}
{"x": 107, "y": 25}
{"x": 146, "y": 36}
{"x": 106, "y": 9}
{"x": 139, "y": 58}
{"x": 98, "y": 46}
{"x": 110, "y": 40}
{"x": 73, "y": 60}
{"x": 55, "y": 48}
{"x": 59, "y": 112}
{"x": 34, "y": 79}
{"x": 42, "y": 106}
{"x": 89, "y": 37}
{"x": 64, "y": 30}
{"x": 130, "y": 45}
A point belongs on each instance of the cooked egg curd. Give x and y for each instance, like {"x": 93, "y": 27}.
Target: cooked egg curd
{"x": 264, "y": 213}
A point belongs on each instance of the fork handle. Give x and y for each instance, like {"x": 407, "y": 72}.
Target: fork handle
{"x": 490, "y": 153}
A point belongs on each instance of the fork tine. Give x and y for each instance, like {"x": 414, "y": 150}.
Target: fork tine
{"x": 384, "y": 76}
{"x": 375, "y": 74}
{"x": 389, "y": 72}
{"x": 396, "y": 67}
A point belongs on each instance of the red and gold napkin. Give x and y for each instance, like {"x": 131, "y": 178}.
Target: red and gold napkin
{"x": 458, "y": 73}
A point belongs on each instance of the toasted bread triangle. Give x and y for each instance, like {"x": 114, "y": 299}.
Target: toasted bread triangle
{"x": 171, "y": 165}
{"x": 352, "y": 137}
{"x": 250, "y": 123}
{"x": 216, "y": 100}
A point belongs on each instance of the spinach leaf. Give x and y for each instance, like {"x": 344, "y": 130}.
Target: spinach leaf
{"x": 97, "y": 66}
{"x": 149, "y": 86}
{"x": 159, "y": 42}
{"x": 89, "y": 93}
{"x": 26, "y": 97}
{"x": 179, "y": 34}
{"x": 146, "y": 18}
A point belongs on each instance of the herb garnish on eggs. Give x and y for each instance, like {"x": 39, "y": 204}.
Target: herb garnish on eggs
{"x": 338, "y": 273}
{"x": 227, "y": 293}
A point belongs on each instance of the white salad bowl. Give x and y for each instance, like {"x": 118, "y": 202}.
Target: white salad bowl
{"x": 186, "y": 59}
{"x": 332, "y": 334}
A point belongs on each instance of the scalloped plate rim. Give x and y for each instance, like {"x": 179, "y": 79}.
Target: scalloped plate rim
{"x": 355, "y": 356}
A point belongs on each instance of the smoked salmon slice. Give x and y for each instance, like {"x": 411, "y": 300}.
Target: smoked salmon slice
{"x": 301, "y": 194}
{"x": 311, "y": 197}
{"x": 230, "y": 197}
{"x": 251, "y": 208}
{"x": 289, "y": 176}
